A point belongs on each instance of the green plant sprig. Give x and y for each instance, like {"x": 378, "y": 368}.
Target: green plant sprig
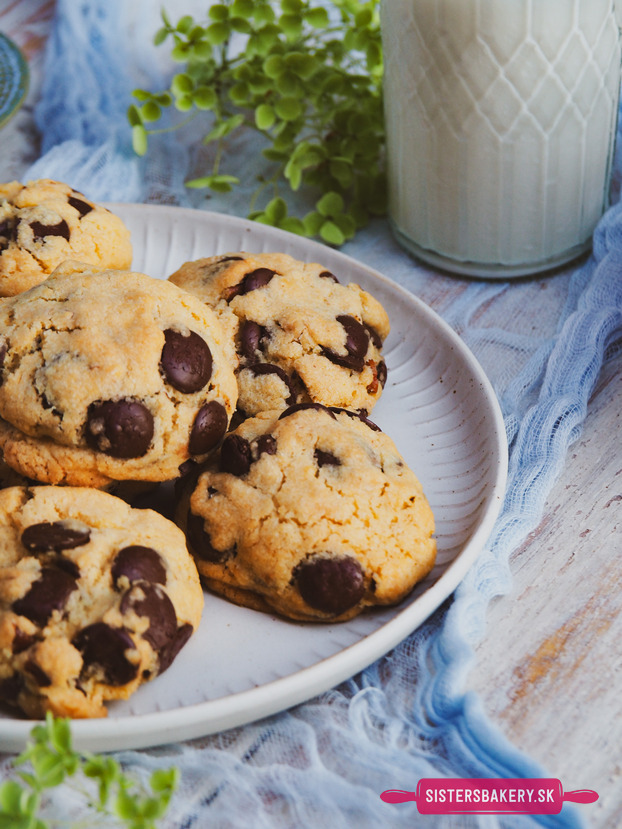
{"x": 49, "y": 759}
{"x": 308, "y": 80}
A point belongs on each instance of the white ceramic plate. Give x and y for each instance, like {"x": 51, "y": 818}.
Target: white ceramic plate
{"x": 442, "y": 413}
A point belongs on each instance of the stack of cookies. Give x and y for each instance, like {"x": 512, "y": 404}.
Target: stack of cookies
{"x": 248, "y": 379}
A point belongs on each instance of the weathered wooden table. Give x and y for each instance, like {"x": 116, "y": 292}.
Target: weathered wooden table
{"x": 549, "y": 667}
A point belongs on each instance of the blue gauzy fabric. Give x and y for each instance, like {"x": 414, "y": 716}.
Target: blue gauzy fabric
{"x": 408, "y": 716}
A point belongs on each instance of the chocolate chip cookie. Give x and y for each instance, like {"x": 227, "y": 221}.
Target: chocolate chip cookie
{"x": 310, "y": 512}
{"x": 299, "y": 334}
{"x": 45, "y": 222}
{"x": 96, "y": 598}
{"x": 110, "y": 376}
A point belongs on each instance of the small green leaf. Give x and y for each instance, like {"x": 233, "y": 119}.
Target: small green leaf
{"x": 219, "y": 12}
{"x": 240, "y": 24}
{"x": 312, "y": 223}
{"x": 217, "y": 33}
{"x": 291, "y": 24}
{"x": 263, "y": 14}
{"x": 288, "y": 108}
{"x": 242, "y": 8}
{"x": 182, "y": 84}
{"x": 219, "y": 183}
{"x": 181, "y": 52}
{"x": 342, "y": 172}
{"x": 318, "y": 18}
{"x": 142, "y": 95}
{"x": 125, "y": 806}
{"x": 133, "y": 115}
{"x": 165, "y": 780}
{"x": 276, "y": 210}
{"x": 150, "y": 111}
{"x": 303, "y": 65}
{"x": 330, "y": 233}
{"x": 292, "y": 6}
{"x": 139, "y": 139}
{"x": 204, "y": 97}
{"x": 330, "y": 204}
{"x": 264, "y": 117}
{"x": 273, "y": 66}
{"x": 346, "y": 225}
{"x": 293, "y": 173}
{"x": 293, "y": 225}
{"x": 288, "y": 84}
{"x": 363, "y": 18}
{"x": 222, "y": 183}
{"x": 185, "y": 24}
{"x": 184, "y": 103}
{"x": 274, "y": 155}
{"x": 12, "y": 799}
{"x": 199, "y": 183}
{"x": 239, "y": 93}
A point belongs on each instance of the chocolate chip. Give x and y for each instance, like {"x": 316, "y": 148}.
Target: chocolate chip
{"x": 381, "y": 373}
{"x": 104, "y": 647}
{"x": 186, "y": 468}
{"x": 138, "y": 563}
{"x": 332, "y": 585}
{"x": 374, "y": 336}
{"x": 201, "y": 543}
{"x": 235, "y": 455}
{"x": 68, "y": 566}
{"x": 8, "y": 233}
{"x": 256, "y": 279}
{"x": 251, "y": 282}
{"x": 48, "y": 536}
{"x": 360, "y": 415}
{"x": 45, "y": 403}
{"x": 251, "y": 336}
{"x": 11, "y": 688}
{"x": 81, "y": 206}
{"x": 119, "y": 428}
{"x": 38, "y": 674}
{"x": 151, "y": 601}
{"x": 299, "y": 407}
{"x": 357, "y": 343}
{"x": 230, "y": 259}
{"x": 170, "y": 651}
{"x": 325, "y": 458}
{"x": 209, "y": 427}
{"x": 40, "y": 231}
{"x": 329, "y": 275}
{"x": 261, "y": 369}
{"x": 265, "y": 444}
{"x": 7, "y": 229}
{"x": 49, "y": 593}
{"x": 21, "y": 641}
{"x": 186, "y": 361}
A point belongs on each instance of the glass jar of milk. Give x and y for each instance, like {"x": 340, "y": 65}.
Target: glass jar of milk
{"x": 501, "y": 120}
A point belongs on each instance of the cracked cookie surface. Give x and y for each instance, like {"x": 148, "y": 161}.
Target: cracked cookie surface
{"x": 44, "y": 222}
{"x": 311, "y": 513}
{"x": 110, "y": 376}
{"x": 299, "y": 334}
{"x": 96, "y": 598}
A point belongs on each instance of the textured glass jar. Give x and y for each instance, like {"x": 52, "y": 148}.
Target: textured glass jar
{"x": 501, "y": 119}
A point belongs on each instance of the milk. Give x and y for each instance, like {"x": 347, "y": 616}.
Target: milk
{"x": 500, "y": 119}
